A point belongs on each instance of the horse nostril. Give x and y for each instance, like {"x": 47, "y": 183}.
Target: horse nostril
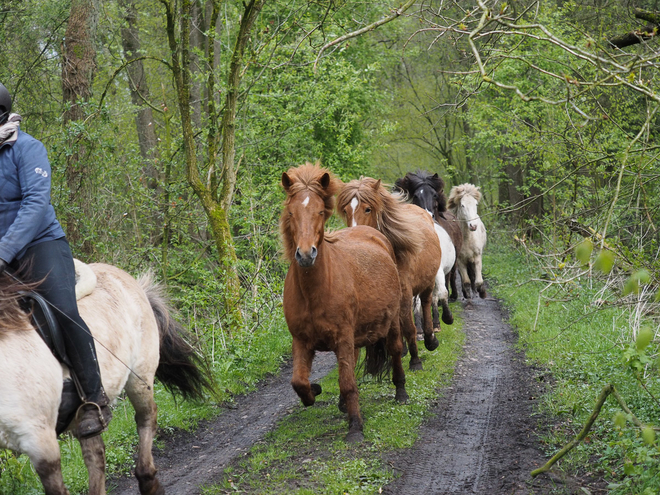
{"x": 314, "y": 252}
{"x": 298, "y": 255}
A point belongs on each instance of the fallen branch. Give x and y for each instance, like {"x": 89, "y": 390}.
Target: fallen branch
{"x": 607, "y": 390}
{"x": 638, "y": 36}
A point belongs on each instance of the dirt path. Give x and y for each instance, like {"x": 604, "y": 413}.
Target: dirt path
{"x": 480, "y": 439}
{"x": 190, "y": 460}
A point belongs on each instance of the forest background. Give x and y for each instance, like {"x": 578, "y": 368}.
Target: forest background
{"x": 169, "y": 123}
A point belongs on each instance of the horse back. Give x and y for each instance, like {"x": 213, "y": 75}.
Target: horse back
{"x": 120, "y": 317}
{"x": 419, "y": 271}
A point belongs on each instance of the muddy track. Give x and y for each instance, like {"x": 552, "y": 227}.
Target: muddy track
{"x": 481, "y": 437}
{"x": 191, "y": 460}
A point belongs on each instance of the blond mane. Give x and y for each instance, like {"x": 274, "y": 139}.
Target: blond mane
{"x": 394, "y": 220}
{"x": 306, "y": 177}
{"x": 458, "y": 192}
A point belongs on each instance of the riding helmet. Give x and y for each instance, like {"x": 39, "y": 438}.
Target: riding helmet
{"x": 5, "y": 104}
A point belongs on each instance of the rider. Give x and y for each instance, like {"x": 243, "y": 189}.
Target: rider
{"x": 30, "y": 231}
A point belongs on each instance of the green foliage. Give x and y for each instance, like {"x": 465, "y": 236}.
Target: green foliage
{"x": 575, "y": 333}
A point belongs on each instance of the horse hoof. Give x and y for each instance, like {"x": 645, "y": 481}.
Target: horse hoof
{"x": 355, "y": 437}
{"x": 453, "y": 298}
{"x": 401, "y": 396}
{"x": 482, "y": 293}
{"x": 316, "y": 389}
{"x": 431, "y": 344}
{"x": 447, "y": 319}
{"x": 416, "y": 365}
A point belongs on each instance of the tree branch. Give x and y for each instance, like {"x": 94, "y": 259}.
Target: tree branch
{"x": 395, "y": 13}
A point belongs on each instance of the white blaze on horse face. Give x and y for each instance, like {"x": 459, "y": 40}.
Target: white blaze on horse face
{"x": 305, "y": 202}
{"x": 354, "y": 205}
{"x": 468, "y": 212}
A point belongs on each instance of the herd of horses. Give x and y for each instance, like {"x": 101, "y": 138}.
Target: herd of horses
{"x": 357, "y": 287}
{"x": 344, "y": 290}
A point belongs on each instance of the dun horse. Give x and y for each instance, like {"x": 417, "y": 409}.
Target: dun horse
{"x": 341, "y": 293}
{"x": 418, "y": 254}
{"x": 463, "y": 201}
{"x": 136, "y": 339}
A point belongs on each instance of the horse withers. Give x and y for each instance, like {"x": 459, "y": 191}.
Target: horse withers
{"x": 411, "y": 233}
{"x": 464, "y": 201}
{"x": 137, "y": 339}
{"x": 341, "y": 293}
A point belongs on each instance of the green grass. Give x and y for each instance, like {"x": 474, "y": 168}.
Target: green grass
{"x": 307, "y": 454}
{"x": 566, "y": 330}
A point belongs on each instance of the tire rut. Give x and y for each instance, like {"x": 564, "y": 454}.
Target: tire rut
{"x": 480, "y": 438}
{"x": 191, "y": 460}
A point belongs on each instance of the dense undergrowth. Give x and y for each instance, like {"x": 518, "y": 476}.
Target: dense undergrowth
{"x": 575, "y": 322}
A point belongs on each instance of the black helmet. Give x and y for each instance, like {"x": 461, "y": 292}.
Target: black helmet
{"x": 5, "y": 104}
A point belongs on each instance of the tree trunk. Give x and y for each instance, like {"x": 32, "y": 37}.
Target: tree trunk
{"x": 144, "y": 122}
{"x": 78, "y": 67}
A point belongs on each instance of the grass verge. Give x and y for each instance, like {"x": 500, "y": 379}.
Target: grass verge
{"x": 307, "y": 454}
{"x": 579, "y": 333}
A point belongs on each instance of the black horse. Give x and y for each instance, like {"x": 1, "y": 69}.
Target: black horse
{"x": 426, "y": 190}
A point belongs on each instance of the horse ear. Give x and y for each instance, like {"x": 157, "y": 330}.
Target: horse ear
{"x": 436, "y": 176}
{"x": 377, "y": 185}
{"x": 325, "y": 180}
{"x": 286, "y": 181}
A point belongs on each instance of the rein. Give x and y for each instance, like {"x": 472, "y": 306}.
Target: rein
{"x": 16, "y": 279}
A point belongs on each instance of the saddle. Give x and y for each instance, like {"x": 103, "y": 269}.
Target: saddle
{"x": 45, "y": 323}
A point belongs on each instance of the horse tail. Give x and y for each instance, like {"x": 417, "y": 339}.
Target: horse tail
{"x": 377, "y": 361}
{"x": 181, "y": 369}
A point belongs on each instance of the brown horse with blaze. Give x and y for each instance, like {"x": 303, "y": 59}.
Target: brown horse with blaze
{"x": 412, "y": 234}
{"x": 341, "y": 293}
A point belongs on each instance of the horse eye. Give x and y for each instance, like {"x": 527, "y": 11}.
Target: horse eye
{"x": 322, "y": 213}
{"x": 367, "y": 210}
{"x": 290, "y": 214}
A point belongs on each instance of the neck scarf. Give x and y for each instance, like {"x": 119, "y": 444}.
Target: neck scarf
{"x": 9, "y": 130}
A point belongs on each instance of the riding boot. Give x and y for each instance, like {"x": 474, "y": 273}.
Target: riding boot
{"x": 94, "y": 416}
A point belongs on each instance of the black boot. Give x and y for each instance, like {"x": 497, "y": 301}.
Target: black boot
{"x": 94, "y": 416}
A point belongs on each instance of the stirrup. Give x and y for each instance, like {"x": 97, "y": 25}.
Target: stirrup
{"x": 95, "y": 425}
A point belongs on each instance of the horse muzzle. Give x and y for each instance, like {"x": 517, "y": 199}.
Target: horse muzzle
{"x": 306, "y": 259}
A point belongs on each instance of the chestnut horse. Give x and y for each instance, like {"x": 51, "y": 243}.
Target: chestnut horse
{"x": 341, "y": 293}
{"x": 427, "y": 191}
{"x": 463, "y": 201}
{"x": 418, "y": 253}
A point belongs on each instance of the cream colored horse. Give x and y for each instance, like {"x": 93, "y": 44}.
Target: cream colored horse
{"x": 136, "y": 339}
{"x": 463, "y": 202}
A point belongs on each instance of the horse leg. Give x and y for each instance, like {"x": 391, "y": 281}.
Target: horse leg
{"x": 479, "y": 281}
{"x": 408, "y": 328}
{"x": 430, "y": 340}
{"x": 146, "y": 421}
{"x": 395, "y": 348}
{"x": 302, "y": 365}
{"x": 452, "y": 282}
{"x": 342, "y": 399}
{"x": 417, "y": 314}
{"x": 440, "y": 293}
{"x": 93, "y": 451}
{"x": 44, "y": 453}
{"x": 349, "y": 391}
{"x": 465, "y": 280}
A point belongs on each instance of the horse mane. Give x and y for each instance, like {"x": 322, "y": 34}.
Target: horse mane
{"x": 395, "y": 221}
{"x": 457, "y": 192}
{"x": 414, "y": 180}
{"x": 307, "y": 177}
{"x": 13, "y": 317}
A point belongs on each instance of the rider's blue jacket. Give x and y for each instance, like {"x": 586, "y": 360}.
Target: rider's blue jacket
{"x": 26, "y": 215}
